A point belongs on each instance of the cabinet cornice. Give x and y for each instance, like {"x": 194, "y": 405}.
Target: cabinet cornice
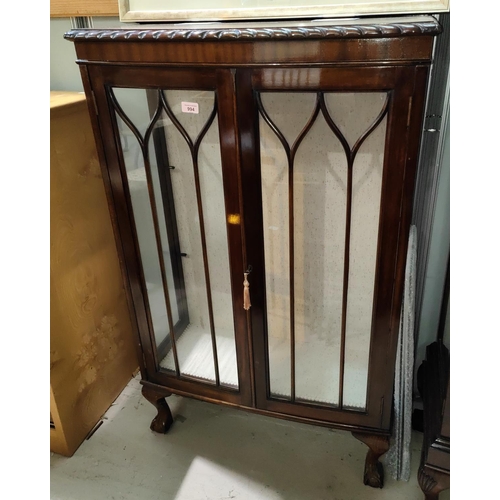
{"x": 347, "y": 30}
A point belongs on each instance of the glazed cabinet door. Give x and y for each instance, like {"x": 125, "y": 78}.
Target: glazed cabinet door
{"x": 170, "y": 147}
{"x": 326, "y": 169}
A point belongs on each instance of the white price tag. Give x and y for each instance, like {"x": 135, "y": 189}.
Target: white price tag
{"x": 190, "y": 107}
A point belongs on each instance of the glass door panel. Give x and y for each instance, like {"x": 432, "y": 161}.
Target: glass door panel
{"x": 357, "y": 114}
{"x": 319, "y": 197}
{"x": 321, "y": 167}
{"x": 135, "y": 119}
{"x": 170, "y": 141}
{"x": 274, "y": 175}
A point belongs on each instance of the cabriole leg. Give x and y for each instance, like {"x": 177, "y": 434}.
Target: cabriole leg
{"x": 432, "y": 482}
{"x": 163, "y": 420}
{"x": 374, "y": 471}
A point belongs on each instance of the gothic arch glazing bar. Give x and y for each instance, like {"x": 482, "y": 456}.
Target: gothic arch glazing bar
{"x": 291, "y": 147}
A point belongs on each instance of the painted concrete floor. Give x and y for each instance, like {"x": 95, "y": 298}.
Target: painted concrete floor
{"x": 216, "y": 453}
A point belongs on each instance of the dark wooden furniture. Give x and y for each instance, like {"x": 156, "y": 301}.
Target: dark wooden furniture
{"x": 433, "y": 378}
{"x": 434, "y": 385}
{"x": 270, "y": 164}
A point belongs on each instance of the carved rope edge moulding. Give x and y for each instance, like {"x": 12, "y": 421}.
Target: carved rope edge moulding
{"x": 337, "y": 31}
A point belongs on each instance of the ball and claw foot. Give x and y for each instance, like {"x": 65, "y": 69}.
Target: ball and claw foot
{"x": 163, "y": 420}
{"x": 374, "y": 474}
{"x": 374, "y": 471}
{"x": 432, "y": 482}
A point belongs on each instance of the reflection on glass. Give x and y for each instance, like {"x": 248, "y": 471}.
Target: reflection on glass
{"x": 135, "y": 107}
{"x": 192, "y": 230}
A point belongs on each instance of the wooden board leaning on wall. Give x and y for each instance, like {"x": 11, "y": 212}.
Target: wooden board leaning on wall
{"x": 76, "y": 8}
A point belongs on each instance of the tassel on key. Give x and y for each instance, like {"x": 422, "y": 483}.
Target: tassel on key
{"x": 246, "y": 293}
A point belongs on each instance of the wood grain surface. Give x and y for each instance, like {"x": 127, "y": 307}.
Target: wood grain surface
{"x": 92, "y": 353}
{"x": 75, "y": 8}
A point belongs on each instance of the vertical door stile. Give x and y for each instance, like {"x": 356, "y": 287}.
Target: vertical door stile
{"x": 247, "y": 116}
{"x": 121, "y": 200}
{"x": 408, "y": 99}
{"x": 233, "y": 202}
{"x": 388, "y": 285}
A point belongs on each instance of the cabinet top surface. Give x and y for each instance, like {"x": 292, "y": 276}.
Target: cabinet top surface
{"x": 279, "y": 30}
{"x": 61, "y": 98}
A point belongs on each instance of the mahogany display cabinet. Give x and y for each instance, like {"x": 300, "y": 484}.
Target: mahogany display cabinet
{"x": 260, "y": 180}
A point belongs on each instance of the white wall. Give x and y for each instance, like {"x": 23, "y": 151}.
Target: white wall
{"x": 64, "y": 72}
